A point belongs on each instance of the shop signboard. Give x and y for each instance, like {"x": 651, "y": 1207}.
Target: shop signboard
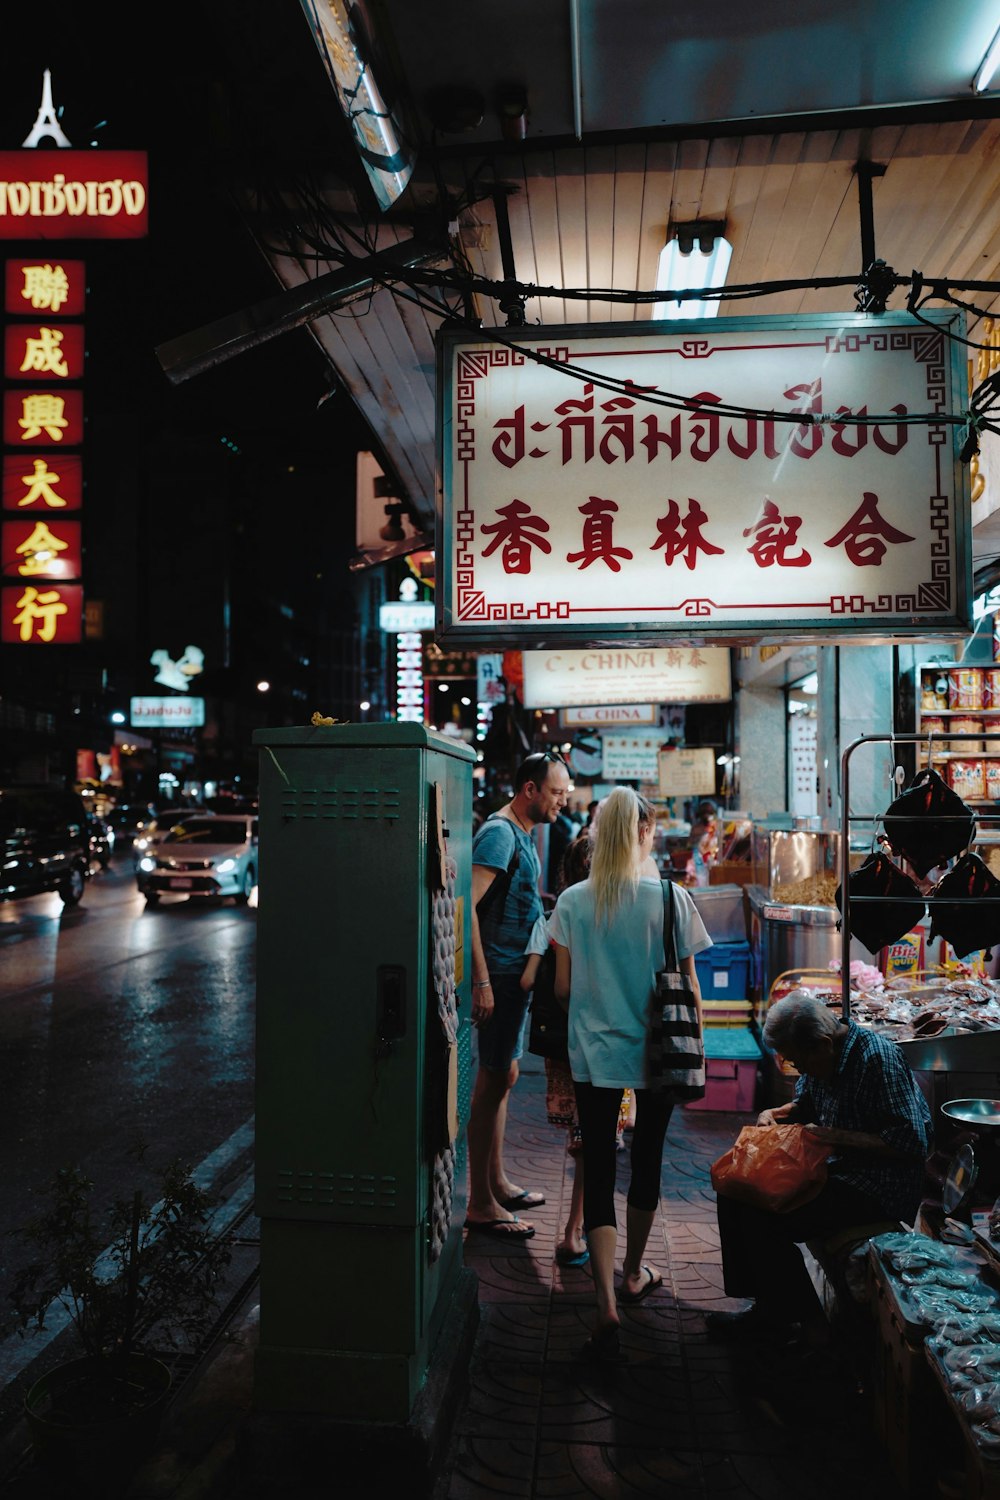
{"x": 631, "y": 757}
{"x": 73, "y": 195}
{"x": 790, "y": 476}
{"x": 687, "y": 773}
{"x": 167, "y": 713}
{"x": 46, "y": 615}
{"x": 401, "y": 616}
{"x": 489, "y": 678}
{"x": 564, "y": 679}
{"x": 599, "y": 714}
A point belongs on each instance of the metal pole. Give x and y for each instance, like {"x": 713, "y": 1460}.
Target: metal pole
{"x": 574, "y": 34}
{"x": 866, "y": 171}
{"x": 845, "y": 869}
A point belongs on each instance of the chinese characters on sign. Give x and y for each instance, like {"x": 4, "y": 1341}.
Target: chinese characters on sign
{"x": 687, "y": 773}
{"x": 631, "y": 757}
{"x": 573, "y": 506}
{"x": 802, "y": 747}
{"x": 41, "y": 479}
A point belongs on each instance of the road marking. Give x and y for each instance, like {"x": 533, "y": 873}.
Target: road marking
{"x": 16, "y": 1353}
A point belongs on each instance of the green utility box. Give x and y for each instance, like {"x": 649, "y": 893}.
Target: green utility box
{"x": 363, "y": 983}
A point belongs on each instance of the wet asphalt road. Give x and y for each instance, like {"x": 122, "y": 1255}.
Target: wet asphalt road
{"x": 118, "y": 1022}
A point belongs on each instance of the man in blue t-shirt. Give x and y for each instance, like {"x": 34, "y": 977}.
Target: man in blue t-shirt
{"x": 505, "y": 905}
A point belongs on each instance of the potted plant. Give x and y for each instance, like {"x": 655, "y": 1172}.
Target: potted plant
{"x": 140, "y": 1284}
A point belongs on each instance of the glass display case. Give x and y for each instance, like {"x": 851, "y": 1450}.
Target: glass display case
{"x": 797, "y": 866}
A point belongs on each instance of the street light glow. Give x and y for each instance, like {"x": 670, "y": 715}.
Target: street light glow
{"x": 263, "y": 686}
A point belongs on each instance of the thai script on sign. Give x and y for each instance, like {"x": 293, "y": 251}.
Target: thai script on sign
{"x": 699, "y": 432}
{"x": 59, "y": 197}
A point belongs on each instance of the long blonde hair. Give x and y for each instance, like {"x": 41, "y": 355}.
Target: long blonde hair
{"x": 614, "y": 868}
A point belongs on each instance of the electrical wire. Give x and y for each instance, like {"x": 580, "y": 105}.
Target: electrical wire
{"x": 319, "y": 235}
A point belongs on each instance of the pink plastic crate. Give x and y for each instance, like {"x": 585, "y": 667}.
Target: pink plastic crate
{"x": 730, "y": 1083}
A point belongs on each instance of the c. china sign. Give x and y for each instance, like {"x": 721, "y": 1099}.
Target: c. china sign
{"x": 704, "y": 481}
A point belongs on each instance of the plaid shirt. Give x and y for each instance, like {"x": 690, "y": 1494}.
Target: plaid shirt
{"x": 873, "y": 1090}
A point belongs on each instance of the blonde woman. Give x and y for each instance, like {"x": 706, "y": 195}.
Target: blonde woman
{"x": 608, "y": 932}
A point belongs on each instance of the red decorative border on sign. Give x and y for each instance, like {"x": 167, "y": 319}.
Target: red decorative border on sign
{"x": 932, "y": 596}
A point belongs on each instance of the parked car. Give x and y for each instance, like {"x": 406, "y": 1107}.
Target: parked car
{"x": 100, "y": 839}
{"x": 44, "y": 843}
{"x": 205, "y": 855}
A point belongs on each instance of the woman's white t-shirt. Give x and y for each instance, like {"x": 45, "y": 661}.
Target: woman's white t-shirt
{"x": 613, "y": 975}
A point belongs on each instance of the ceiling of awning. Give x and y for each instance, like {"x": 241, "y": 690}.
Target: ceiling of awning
{"x": 755, "y": 116}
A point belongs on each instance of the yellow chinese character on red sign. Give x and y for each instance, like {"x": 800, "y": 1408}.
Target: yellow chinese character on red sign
{"x": 42, "y": 413}
{"x": 45, "y": 287}
{"x": 39, "y": 550}
{"x": 41, "y": 486}
{"x": 34, "y": 606}
{"x": 45, "y": 353}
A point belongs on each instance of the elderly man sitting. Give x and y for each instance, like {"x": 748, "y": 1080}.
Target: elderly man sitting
{"x": 858, "y": 1095}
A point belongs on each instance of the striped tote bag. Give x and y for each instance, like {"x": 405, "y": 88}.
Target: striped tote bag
{"x": 675, "y": 1051}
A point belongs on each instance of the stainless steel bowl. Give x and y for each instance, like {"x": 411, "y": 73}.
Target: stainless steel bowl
{"x": 973, "y": 1111}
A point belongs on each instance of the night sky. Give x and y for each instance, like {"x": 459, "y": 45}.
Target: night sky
{"x": 158, "y": 80}
{"x": 125, "y": 77}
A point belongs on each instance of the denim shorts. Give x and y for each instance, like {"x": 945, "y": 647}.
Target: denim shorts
{"x": 501, "y": 1040}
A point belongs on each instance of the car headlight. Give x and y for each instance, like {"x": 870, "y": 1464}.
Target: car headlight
{"x": 225, "y": 866}
{"x": 147, "y": 864}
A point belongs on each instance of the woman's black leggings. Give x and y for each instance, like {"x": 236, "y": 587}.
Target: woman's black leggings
{"x": 598, "y": 1111}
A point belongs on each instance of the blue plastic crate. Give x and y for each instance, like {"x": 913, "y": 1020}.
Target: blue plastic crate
{"x": 724, "y": 971}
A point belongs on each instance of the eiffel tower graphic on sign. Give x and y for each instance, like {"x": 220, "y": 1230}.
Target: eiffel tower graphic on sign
{"x": 46, "y": 126}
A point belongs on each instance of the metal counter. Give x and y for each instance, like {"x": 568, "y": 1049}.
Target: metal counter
{"x": 784, "y": 936}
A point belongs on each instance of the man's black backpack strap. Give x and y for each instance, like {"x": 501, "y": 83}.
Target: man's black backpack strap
{"x": 500, "y": 886}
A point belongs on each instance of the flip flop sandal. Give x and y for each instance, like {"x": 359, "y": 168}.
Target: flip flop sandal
{"x": 571, "y": 1259}
{"x": 650, "y": 1286}
{"x": 523, "y": 1199}
{"x": 501, "y": 1229}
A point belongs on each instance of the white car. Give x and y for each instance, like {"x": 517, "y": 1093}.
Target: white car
{"x": 205, "y": 855}
{"x": 156, "y": 830}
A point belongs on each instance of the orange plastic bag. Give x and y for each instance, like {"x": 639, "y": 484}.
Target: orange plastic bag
{"x": 778, "y": 1167}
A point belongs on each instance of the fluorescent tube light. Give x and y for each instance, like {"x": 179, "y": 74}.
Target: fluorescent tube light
{"x": 987, "y": 67}
{"x": 676, "y": 272}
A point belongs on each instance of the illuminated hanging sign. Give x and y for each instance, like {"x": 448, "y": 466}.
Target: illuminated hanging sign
{"x": 41, "y": 548}
{"x": 47, "y": 285}
{"x": 635, "y": 674}
{"x": 167, "y": 713}
{"x": 394, "y": 617}
{"x": 52, "y": 483}
{"x": 37, "y": 351}
{"x": 41, "y": 614}
{"x": 74, "y": 195}
{"x": 658, "y": 491}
